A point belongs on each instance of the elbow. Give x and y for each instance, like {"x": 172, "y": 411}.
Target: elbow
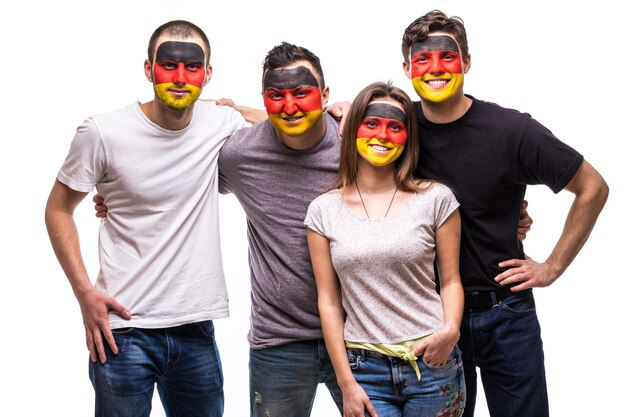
{"x": 601, "y": 194}
{"x": 604, "y": 192}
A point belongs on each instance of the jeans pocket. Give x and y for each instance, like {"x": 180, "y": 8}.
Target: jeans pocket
{"x": 452, "y": 361}
{"x": 123, "y": 331}
{"x": 519, "y": 303}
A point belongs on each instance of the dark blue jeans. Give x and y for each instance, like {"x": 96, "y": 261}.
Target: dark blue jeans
{"x": 284, "y": 379}
{"x": 504, "y": 341}
{"x": 182, "y": 361}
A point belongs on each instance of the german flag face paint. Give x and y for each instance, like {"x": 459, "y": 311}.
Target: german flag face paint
{"x": 382, "y": 133}
{"x": 293, "y": 99}
{"x": 179, "y": 73}
{"x": 436, "y": 68}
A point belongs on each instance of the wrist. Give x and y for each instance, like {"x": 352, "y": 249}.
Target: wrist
{"x": 448, "y": 336}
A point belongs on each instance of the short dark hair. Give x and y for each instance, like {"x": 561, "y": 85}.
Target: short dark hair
{"x": 179, "y": 28}
{"x": 434, "y": 21}
{"x": 286, "y": 53}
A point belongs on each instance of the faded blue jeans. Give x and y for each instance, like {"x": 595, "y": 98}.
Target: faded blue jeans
{"x": 182, "y": 361}
{"x": 394, "y": 390}
{"x": 284, "y": 379}
{"x": 504, "y": 341}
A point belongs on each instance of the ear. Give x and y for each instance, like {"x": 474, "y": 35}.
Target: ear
{"x": 467, "y": 64}
{"x": 325, "y": 95}
{"x": 407, "y": 69}
{"x": 209, "y": 74}
{"x": 147, "y": 70}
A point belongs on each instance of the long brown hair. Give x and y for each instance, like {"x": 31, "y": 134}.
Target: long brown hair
{"x": 407, "y": 162}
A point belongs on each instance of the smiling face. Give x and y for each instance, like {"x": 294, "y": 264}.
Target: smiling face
{"x": 179, "y": 73}
{"x": 436, "y": 68}
{"x": 382, "y": 133}
{"x": 292, "y": 99}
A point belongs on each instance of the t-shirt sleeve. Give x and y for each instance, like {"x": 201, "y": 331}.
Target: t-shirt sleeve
{"x": 84, "y": 165}
{"x": 544, "y": 159}
{"x": 314, "y": 217}
{"x": 223, "y": 168}
{"x": 445, "y": 204}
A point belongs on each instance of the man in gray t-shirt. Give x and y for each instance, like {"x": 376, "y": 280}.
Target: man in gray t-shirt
{"x": 275, "y": 169}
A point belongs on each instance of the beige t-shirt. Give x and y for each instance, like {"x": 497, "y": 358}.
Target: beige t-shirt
{"x": 386, "y": 266}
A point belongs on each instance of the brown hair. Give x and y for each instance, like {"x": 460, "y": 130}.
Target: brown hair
{"x": 407, "y": 162}
{"x": 434, "y": 21}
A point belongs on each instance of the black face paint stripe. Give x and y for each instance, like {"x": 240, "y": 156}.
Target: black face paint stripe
{"x": 386, "y": 111}
{"x": 288, "y": 78}
{"x": 435, "y": 43}
{"x": 187, "y": 52}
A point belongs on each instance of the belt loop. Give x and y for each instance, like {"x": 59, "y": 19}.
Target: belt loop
{"x": 494, "y": 299}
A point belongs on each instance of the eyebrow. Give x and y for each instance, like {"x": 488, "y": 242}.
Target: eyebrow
{"x": 288, "y": 78}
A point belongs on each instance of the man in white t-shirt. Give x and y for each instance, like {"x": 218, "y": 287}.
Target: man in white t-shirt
{"x": 148, "y": 318}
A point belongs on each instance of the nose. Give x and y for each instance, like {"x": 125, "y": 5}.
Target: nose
{"x": 290, "y": 105}
{"x": 180, "y": 76}
{"x": 436, "y": 67}
{"x": 382, "y": 133}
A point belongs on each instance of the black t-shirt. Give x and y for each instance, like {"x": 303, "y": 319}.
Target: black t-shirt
{"x": 487, "y": 157}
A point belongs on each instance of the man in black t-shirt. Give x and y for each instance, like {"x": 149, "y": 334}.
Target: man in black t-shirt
{"x": 488, "y": 155}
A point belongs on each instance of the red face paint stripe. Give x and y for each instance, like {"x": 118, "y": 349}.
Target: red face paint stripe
{"x": 304, "y": 99}
{"x": 383, "y": 129}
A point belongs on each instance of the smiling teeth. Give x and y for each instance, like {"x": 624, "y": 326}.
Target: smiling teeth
{"x": 379, "y": 148}
{"x": 437, "y": 83}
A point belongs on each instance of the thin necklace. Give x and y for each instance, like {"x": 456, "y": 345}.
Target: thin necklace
{"x": 363, "y": 202}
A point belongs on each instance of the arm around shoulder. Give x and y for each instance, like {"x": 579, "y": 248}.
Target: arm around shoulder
{"x": 250, "y": 114}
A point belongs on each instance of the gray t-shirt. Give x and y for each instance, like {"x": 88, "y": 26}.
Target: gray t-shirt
{"x": 386, "y": 266}
{"x": 275, "y": 185}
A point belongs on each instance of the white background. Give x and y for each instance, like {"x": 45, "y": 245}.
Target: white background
{"x": 66, "y": 60}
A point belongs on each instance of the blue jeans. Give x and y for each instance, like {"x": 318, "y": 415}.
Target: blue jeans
{"x": 182, "y": 361}
{"x": 284, "y": 379}
{"x": 505, "y": 343}
{"x": 394, "y": 390}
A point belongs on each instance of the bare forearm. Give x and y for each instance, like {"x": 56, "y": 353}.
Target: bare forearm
{"x": 452, "y": 299}
{"x": 252, "y": 115}
{"x": 63, "y": 234}
{"x": 66, "y": 245}
{"x": 579, "y": 223}
{"x": 333, "y": 327}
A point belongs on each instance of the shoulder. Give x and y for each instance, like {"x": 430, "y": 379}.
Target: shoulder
{"x": 94, "y": 126}
{"x": 221, "y": 113}
{"x": 248, "y": 133}
{"x": 129, "y": 111}
{"x": 498, "y": 112}
{"x": 440, "y": 189}
{"x": 326, "y": 200}
{"x": 332, "y": 128}
{"x": 437, "y": 191}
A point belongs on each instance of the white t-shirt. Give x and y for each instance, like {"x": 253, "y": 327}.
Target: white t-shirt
{"x": 386, "y": 266}
{"x": 159, "y": 246}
